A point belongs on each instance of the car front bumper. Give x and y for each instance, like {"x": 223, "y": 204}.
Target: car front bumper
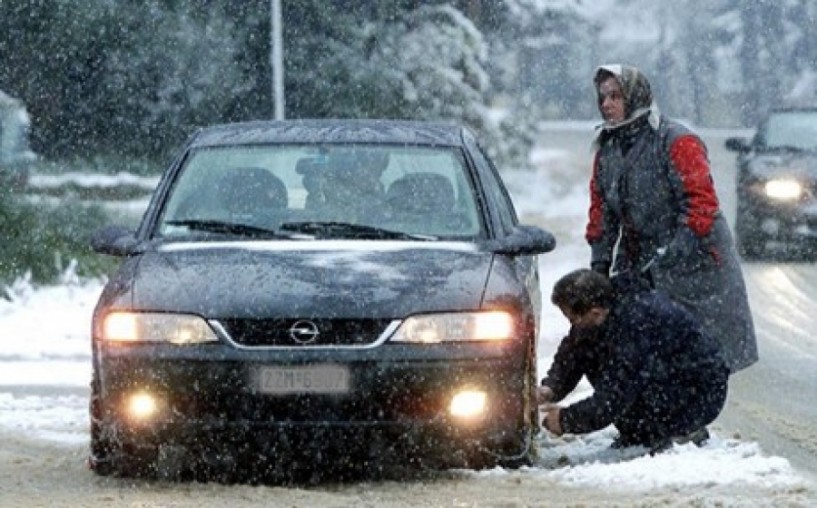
{"x": 209, "y": 396}
{"x": 787, "y": 221}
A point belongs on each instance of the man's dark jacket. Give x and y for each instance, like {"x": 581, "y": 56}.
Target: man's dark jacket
{"x": 654, "y": 372}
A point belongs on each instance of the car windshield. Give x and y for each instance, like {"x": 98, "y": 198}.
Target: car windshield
{"x": 794, "y": 130}
{"x": 326, "y": 191}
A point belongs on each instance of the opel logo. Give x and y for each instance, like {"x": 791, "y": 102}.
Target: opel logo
{"x": 304, "y": 332}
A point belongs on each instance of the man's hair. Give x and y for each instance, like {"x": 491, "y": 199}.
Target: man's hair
{"x": 581, "y": 290}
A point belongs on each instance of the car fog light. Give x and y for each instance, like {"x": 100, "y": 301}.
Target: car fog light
{"x": 468, "y": 403}
{"x": 142, "y": 406}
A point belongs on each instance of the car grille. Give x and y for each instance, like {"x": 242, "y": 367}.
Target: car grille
{"x": 304, "y": 332}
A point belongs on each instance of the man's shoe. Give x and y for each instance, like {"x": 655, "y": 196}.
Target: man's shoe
{"x": 697, "y": 437}
{"x": 625, "y": 441}
{"x": 660, "y": 446}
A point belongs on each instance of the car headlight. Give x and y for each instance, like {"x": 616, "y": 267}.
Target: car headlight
{"x": 122, "y": 326}
{"x": 456, "y": 327}
{"x": 783, "y": 189}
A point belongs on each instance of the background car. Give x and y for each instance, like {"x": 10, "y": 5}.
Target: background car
{"x": 777, "y": 183}
{"x": 301, "y": 288}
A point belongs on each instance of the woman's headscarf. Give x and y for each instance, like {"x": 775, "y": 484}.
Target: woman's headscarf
{"x": 638, "y": 99}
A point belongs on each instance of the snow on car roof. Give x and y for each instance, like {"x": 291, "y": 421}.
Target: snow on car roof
{"x": 332, "y": 131}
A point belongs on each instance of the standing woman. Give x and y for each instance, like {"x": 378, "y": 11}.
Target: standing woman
{"x": 654, "y": 212}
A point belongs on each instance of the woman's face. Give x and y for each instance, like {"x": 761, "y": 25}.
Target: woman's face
{"x": 611, "y": 101}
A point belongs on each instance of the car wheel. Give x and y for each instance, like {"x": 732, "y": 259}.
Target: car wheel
{"x": 750, "y": 241}
{"x": 100, "y": 460}
{"x": 520, "y": 448}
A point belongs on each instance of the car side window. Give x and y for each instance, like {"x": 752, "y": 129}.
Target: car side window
{"x": 495, "y": 189}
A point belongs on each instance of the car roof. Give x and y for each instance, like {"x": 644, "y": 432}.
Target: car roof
{"x": 331, "y": 131}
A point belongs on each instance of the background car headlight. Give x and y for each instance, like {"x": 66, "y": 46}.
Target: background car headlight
{"x": 179, "y": 329}
{"x": 783, "y": 189}
{"x": 456, "y": 327}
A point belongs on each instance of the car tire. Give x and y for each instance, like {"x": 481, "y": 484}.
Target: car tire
{"x": 100, "y": 459}
{"x": 520, "y": 448}
{"x": 523, "y": 449}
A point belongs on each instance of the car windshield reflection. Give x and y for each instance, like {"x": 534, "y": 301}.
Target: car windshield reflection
{"x": 326, "y": 191}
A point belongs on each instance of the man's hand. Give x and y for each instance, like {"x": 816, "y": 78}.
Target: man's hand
{"x": 544, "y": 395}
{"x": 551, "y": 421}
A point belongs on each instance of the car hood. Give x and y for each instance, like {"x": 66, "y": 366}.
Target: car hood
{"x": 314, "y": 279}
{"x": 799, "y": 165}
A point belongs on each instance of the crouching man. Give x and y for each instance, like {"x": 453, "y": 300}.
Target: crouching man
{"x": 655, "y": 375}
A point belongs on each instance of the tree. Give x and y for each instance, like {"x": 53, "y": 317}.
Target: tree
{"x": 135, "y": 77}
{"x": 168, "y": 72}
{"x": 98, "y": 76}
{"x": 542, "y": 55}
{"x": 384, "y": 60}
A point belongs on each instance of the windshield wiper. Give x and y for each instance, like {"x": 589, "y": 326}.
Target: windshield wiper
{"x": 231, "y": 228}
{"x": 334, "y": 229}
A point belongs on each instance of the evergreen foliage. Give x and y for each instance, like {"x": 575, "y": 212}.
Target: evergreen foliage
{"x": 39, "y": 243}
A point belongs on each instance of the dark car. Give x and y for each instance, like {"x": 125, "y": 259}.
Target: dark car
{"x": 777, "y": 183}
{"x": 298, "y": 287}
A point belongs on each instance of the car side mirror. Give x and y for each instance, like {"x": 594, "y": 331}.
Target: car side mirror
{"x": 740, "y": 145}
{"x": 524, "y": 241}
{"x": 114, "y": 241}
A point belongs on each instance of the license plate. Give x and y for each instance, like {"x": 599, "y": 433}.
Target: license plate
{"x": 306, "y": 379}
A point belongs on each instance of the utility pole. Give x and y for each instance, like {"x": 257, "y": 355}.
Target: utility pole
{"x": 277, "y": 59}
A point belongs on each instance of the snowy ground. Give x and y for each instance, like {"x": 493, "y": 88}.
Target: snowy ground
{"x": 45, "y": 369}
